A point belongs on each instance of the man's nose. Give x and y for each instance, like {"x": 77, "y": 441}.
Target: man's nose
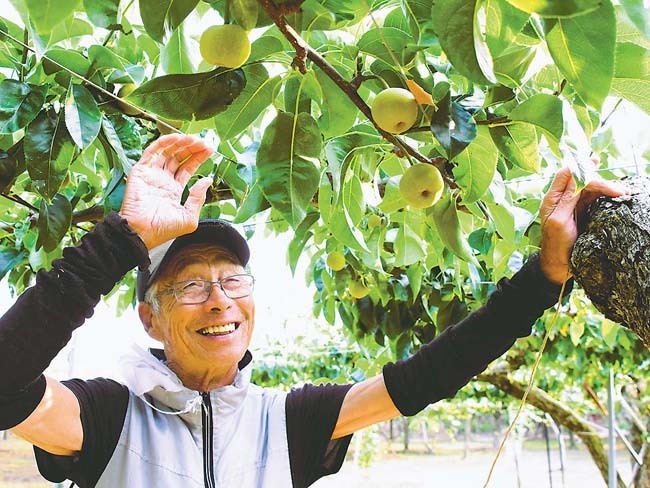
{"x": 218, "y": 301}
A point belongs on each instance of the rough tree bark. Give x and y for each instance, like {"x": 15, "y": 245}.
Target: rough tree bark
{"x": 644, "y": 476}
{"x": 562, "y": 415}
{"x": 611, "y": 258}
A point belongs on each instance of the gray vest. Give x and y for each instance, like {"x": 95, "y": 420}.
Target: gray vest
{"x": 165, "y": 450}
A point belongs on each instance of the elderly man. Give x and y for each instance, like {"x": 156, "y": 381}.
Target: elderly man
{"x": 187, "y": 415}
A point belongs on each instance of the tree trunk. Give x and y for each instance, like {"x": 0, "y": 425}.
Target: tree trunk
{"x": 611, "y": 258}
{"x": 562, "y": 414}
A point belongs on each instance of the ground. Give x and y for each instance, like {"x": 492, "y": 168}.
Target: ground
{"x": 393, "y": 470}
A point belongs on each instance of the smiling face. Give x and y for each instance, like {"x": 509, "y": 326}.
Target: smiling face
{"x": 203, "y": 342}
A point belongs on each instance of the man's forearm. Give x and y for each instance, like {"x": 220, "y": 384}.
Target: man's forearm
{"x": 463, "y": 350}
{"x": 42, "y": 320}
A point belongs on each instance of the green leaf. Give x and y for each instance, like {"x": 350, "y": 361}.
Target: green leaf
{"x": 583, "y": 49}
{"x": 511, "y": 66}
{"x": 557, "y": 8}
{"x": 53, "y": 222}
{"x": 445, "y": 216}
{"x": 300, "y": 239}
{"x": 253, "y": 203}
{"x": 325, "y": 197}
{"x": 121, "y": 71}
{"x": 344, "y": 229}
{"x": 337, "y": 114}
{"x": 266, "y": 46}
{"x": 8, "y": 170}
{"x": 113, "y": 199}
{"x": 504, "y": 221}
{"x": 82, "y": 116}
{"x": 639, "y": 14}
{"x": 543, "y": 111}
{"x": 190, "y": 97}
{"x": 632, "y": 74}
{"x": 502, "y": 24}
{"x": 453, "y": 126}
{"x": 476, "y": 166}
{"x": 19, "y": 104}
{"x": 45, "y": 14}
{"x": 72, "y": 60}
{"x": 245, "y": 13}
{"x": 175, "y": 53}
{"x": 254, "y": 99}
{"x": 409, "y": 247}
{"x": 518, "y": 143}
{"x": 10, "y": 257}
{"x": 288, "y": 166}
{"x": 49, "y": 150}
{"x": 161, "y": 17}
{"x": 387, "y": 44}
{"x": 115, "y": 144}
{"x": 69, "y": 29}
{"x": 453, "y": 22}
{"x": 102, "y": 13}
{"x": 576, "y": 331}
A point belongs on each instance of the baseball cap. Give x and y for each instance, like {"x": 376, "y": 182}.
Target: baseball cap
{"x": 210, "y": 231}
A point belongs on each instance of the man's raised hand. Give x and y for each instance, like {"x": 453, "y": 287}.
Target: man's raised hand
{"x": 152, "y": 199}
{"x": 559, "y": 212}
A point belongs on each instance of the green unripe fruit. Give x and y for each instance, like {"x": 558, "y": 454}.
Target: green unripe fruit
{"x": 335, "y": 261}
{"x": 421, "y": 185}
{"x": 374, "y": 221}
{"x": 395, "y": 110}
{"x": 124, "y": 92}
{"x": 225, "y": 45}
{"x": 358, "y": 290}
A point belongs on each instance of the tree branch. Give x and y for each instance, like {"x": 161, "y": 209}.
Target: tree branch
{"x": 561, "y": 413}
{"x": 304, "y": 52}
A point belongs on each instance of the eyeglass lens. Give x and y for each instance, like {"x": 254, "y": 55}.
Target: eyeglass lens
{"x": 198, "y": 291}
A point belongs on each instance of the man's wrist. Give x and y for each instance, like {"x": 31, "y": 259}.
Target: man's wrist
{"x": 535, "y": 279}
{"x": 553, "y": 270}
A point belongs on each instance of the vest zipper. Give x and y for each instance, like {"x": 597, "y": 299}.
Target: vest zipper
{"x": 208, "y": 458}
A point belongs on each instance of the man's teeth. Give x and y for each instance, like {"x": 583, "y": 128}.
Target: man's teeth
{"x": 219, "y": 329}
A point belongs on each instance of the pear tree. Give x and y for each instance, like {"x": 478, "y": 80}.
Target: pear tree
{"x": 493, "y": 96}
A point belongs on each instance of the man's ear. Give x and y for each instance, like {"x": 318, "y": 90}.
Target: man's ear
{"x": 146, "y": 313}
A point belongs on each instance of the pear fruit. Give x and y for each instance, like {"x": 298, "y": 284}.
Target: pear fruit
{"x": 421, "y": 185}
{"x": 225, "y": 45}
{"x": 358, "y": 289}
{"x": 335, "y": 261}
{"x": 395, "y": 110}
{"x": 374, "y": 220}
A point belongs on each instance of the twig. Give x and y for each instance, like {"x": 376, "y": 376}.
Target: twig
{"x": 304, "y": 52}
{"x": 17, "y": 199}
{"x": 23, "y": 60}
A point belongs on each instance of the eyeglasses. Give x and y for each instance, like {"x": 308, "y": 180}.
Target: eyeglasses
{"x": 193, "y": 292}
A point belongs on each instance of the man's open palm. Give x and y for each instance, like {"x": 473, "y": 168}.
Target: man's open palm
{"x": 152, "y": 199}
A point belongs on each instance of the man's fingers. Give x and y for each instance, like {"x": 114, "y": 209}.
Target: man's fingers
{"x": 566, "y": 204}
{"x": 559, "y": 194}
{"x": 197, "y": 194}
{"x": 191, "y": 164}
{"x": 606, "y": 188}
{"x": 158, "y": 146}
{"x": 185, "y": 152}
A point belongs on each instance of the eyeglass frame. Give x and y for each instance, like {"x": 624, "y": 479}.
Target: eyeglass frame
{"x": 174, "y": 289}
